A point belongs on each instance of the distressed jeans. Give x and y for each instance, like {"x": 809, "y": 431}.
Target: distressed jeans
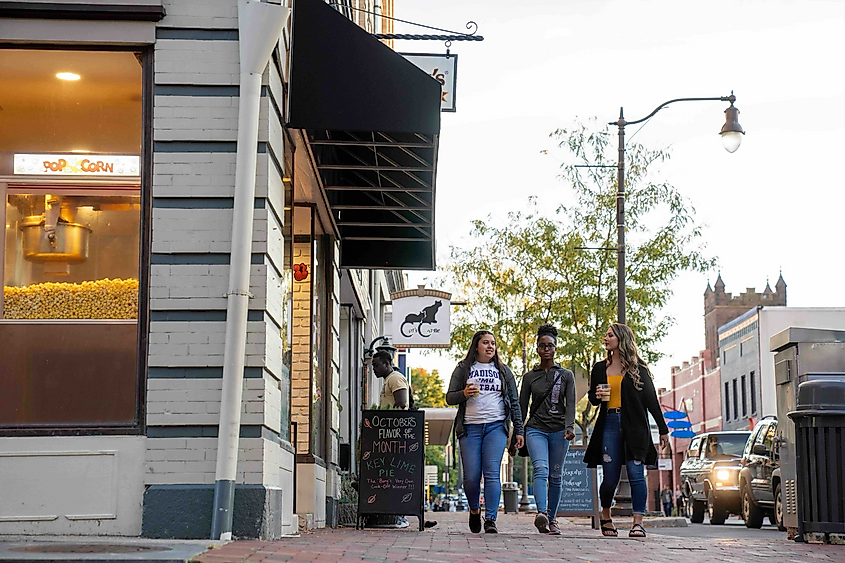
{"x": 548, "y": 450}
{"x": 482, "y": 448}
{"x": 613, "y": 456}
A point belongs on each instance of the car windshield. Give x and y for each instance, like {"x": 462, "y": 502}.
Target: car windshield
{"x": 722, "y": 446}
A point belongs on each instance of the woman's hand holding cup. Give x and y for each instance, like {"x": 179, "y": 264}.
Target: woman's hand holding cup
{"x": 471, "y": 390}
{"x": 603, "y": 391}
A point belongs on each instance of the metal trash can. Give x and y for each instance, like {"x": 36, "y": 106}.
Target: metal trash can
{"x": 820, "y": 455}
{"x": 510, "y": 491}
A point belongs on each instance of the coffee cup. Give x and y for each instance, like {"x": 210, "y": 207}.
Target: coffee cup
{"x": 605, "y": 389}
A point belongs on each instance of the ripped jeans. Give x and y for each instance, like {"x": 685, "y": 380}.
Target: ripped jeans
{"x": 548, "y": 450}
{"x": 613, "y": 456}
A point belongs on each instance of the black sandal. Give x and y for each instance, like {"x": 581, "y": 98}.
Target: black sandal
{"x": 608, "y": 531}
{"x": 637, "y": 531}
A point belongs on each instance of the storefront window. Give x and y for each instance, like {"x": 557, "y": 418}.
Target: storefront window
{"x": 70, "y": 143}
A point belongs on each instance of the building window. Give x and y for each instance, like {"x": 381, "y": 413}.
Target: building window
{"x": 744, "y": 398}
{"x": 753, "y": 393}
{"x": 70, "y": 182}
{"x": 724, "y": 358}
{"x": 735, "y": 399}
{"x": 727, "y": 401}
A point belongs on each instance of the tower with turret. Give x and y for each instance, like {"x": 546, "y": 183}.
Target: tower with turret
{"x": 721, "y": 307}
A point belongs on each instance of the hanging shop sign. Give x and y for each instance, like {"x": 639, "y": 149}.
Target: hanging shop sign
{"x": 421, "y": 318}
{"x": 444, "y": 69}
{"x": 77, "y": 165}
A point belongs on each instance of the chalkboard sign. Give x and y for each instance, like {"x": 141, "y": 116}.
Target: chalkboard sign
{"x": 579, "y": 486}
{"x": 392, "y": 463}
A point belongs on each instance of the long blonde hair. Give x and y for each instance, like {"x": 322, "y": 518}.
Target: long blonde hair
{"x": 629, "y": 356}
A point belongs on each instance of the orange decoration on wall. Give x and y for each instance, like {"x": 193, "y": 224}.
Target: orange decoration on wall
{"x": 300, "y": 271}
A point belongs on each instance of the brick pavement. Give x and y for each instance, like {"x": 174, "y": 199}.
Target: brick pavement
{"x": 451, "y": 542}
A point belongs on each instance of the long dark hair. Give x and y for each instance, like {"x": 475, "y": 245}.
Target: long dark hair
{"x": 472, "y": 353}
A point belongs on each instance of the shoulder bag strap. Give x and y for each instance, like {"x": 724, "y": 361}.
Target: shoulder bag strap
{"x": 534, "y": 405}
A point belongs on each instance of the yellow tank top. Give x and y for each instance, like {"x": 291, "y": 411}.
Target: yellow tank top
{"x": 615, "y": 382}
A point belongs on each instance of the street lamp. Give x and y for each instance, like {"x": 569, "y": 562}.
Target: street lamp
{"x": 731, "y": 138}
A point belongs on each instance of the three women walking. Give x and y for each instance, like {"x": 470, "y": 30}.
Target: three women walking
{"x": 620, "y": 385}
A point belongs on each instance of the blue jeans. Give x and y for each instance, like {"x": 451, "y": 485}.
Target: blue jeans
{"x": 547, "y": 449}
{"x": 482, "y": 448}
{"x": 613, "y": 456}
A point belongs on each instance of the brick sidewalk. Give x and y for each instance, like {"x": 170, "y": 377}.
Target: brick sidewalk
{"x": 451, "y": 542}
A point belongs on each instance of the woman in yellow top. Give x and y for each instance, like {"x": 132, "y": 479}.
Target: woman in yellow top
{"x": 622, "y": 386}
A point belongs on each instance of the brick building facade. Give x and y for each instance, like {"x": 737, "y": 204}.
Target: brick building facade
{"x": 154, "y": 473}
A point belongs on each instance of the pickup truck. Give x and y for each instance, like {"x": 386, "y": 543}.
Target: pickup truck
{"x": 710, "y": 475}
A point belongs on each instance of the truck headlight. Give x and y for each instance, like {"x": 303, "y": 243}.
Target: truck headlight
{"x": 723, "y": 475}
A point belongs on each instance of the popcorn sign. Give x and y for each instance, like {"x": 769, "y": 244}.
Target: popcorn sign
{"x": 77, "y": 165}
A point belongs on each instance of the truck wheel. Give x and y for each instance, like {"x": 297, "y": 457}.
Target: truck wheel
{"x": 695, "y": 511}
{"x": 779, "y": 509}
{"x": 752, "y": 513}
{"x": 715, "y": 511}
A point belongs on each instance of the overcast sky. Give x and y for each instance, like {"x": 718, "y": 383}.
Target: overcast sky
{"x": 775, "y": 203}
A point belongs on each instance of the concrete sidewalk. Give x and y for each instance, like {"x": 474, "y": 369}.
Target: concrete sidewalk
{"x": 67, "y": 549}
{"x": 451, "y": 542}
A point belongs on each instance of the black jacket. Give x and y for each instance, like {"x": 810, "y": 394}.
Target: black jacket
{"x": 634, "y": 423}
{"x": 455, "y": 396}
{"x": 537, "y": 383}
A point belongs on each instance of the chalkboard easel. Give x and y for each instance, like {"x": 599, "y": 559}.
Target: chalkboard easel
{"x": 391, "y": 464}
{"x": 579, "y": 496}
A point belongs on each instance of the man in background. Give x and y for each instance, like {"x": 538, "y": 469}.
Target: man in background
{"x": 396, "y": 390}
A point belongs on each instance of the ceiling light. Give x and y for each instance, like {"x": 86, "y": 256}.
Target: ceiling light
{"x": 67, "y": 76}
{"x": 80, "y": 151}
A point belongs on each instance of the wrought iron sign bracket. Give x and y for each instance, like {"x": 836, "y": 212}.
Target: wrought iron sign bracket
{"x": 448, "y": 37}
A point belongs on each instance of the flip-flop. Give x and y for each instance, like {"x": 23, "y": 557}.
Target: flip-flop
{"x": 608, "y": 531}
{"x": 637, "y": 531}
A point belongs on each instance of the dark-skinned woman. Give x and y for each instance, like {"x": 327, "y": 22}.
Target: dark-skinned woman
{"x": 550, "y": 389}
{"x": 485, "y": 391}
{"x": 621, "y": 385}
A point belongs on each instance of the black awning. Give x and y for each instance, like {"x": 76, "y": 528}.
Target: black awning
{"x": 372, "y": 121}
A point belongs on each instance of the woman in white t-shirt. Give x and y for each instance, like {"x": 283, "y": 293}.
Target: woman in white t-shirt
{"x": 485, "y": 391}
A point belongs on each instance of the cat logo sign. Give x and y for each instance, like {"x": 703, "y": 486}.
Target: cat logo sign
{"x": 421, "y": 318}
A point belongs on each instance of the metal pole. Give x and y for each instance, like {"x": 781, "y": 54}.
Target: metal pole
{"x": 620, "y": 223}
{"x": 623, "y": 491}
{"x": 260, "y": 26}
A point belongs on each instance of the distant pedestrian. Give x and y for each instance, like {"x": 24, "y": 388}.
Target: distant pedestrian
{"x": 622, "y": 387}
{"x": 485, "y": 391}
{"x": 679, "y": 502}
{"x": 395, "y": 392}
{"x": 551, "y": 390}
{"x": 666, "y": 500}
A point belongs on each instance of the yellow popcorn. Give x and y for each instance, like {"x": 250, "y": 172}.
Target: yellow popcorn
{"x": 101, "y": 299}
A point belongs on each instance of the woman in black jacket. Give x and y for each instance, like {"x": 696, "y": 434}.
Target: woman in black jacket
{"x": 485, "y": 391}
{"x": 622, "y": 386}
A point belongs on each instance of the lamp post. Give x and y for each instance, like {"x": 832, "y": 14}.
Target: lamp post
{"x": 731, "y": 138}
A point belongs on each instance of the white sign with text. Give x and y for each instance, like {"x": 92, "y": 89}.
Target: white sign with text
{"x": 444, "y": 69}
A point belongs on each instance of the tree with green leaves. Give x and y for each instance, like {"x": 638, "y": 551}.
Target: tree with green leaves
{"x": 427, "y": 388}
{"x": 542, "y": 268}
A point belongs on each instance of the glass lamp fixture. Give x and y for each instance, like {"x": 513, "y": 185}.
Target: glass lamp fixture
{"x": 731, "y": 131}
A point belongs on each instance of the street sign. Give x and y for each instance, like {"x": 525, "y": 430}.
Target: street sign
{"x": 444, "y": 69}
{"x": 664, "y": 464}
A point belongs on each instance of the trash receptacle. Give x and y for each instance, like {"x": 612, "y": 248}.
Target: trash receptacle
{"x": 820, "y": 435}
{"x": 510, "y": 491}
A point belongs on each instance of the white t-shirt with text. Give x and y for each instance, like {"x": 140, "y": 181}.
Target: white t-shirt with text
{"x": 488, "y": 406}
